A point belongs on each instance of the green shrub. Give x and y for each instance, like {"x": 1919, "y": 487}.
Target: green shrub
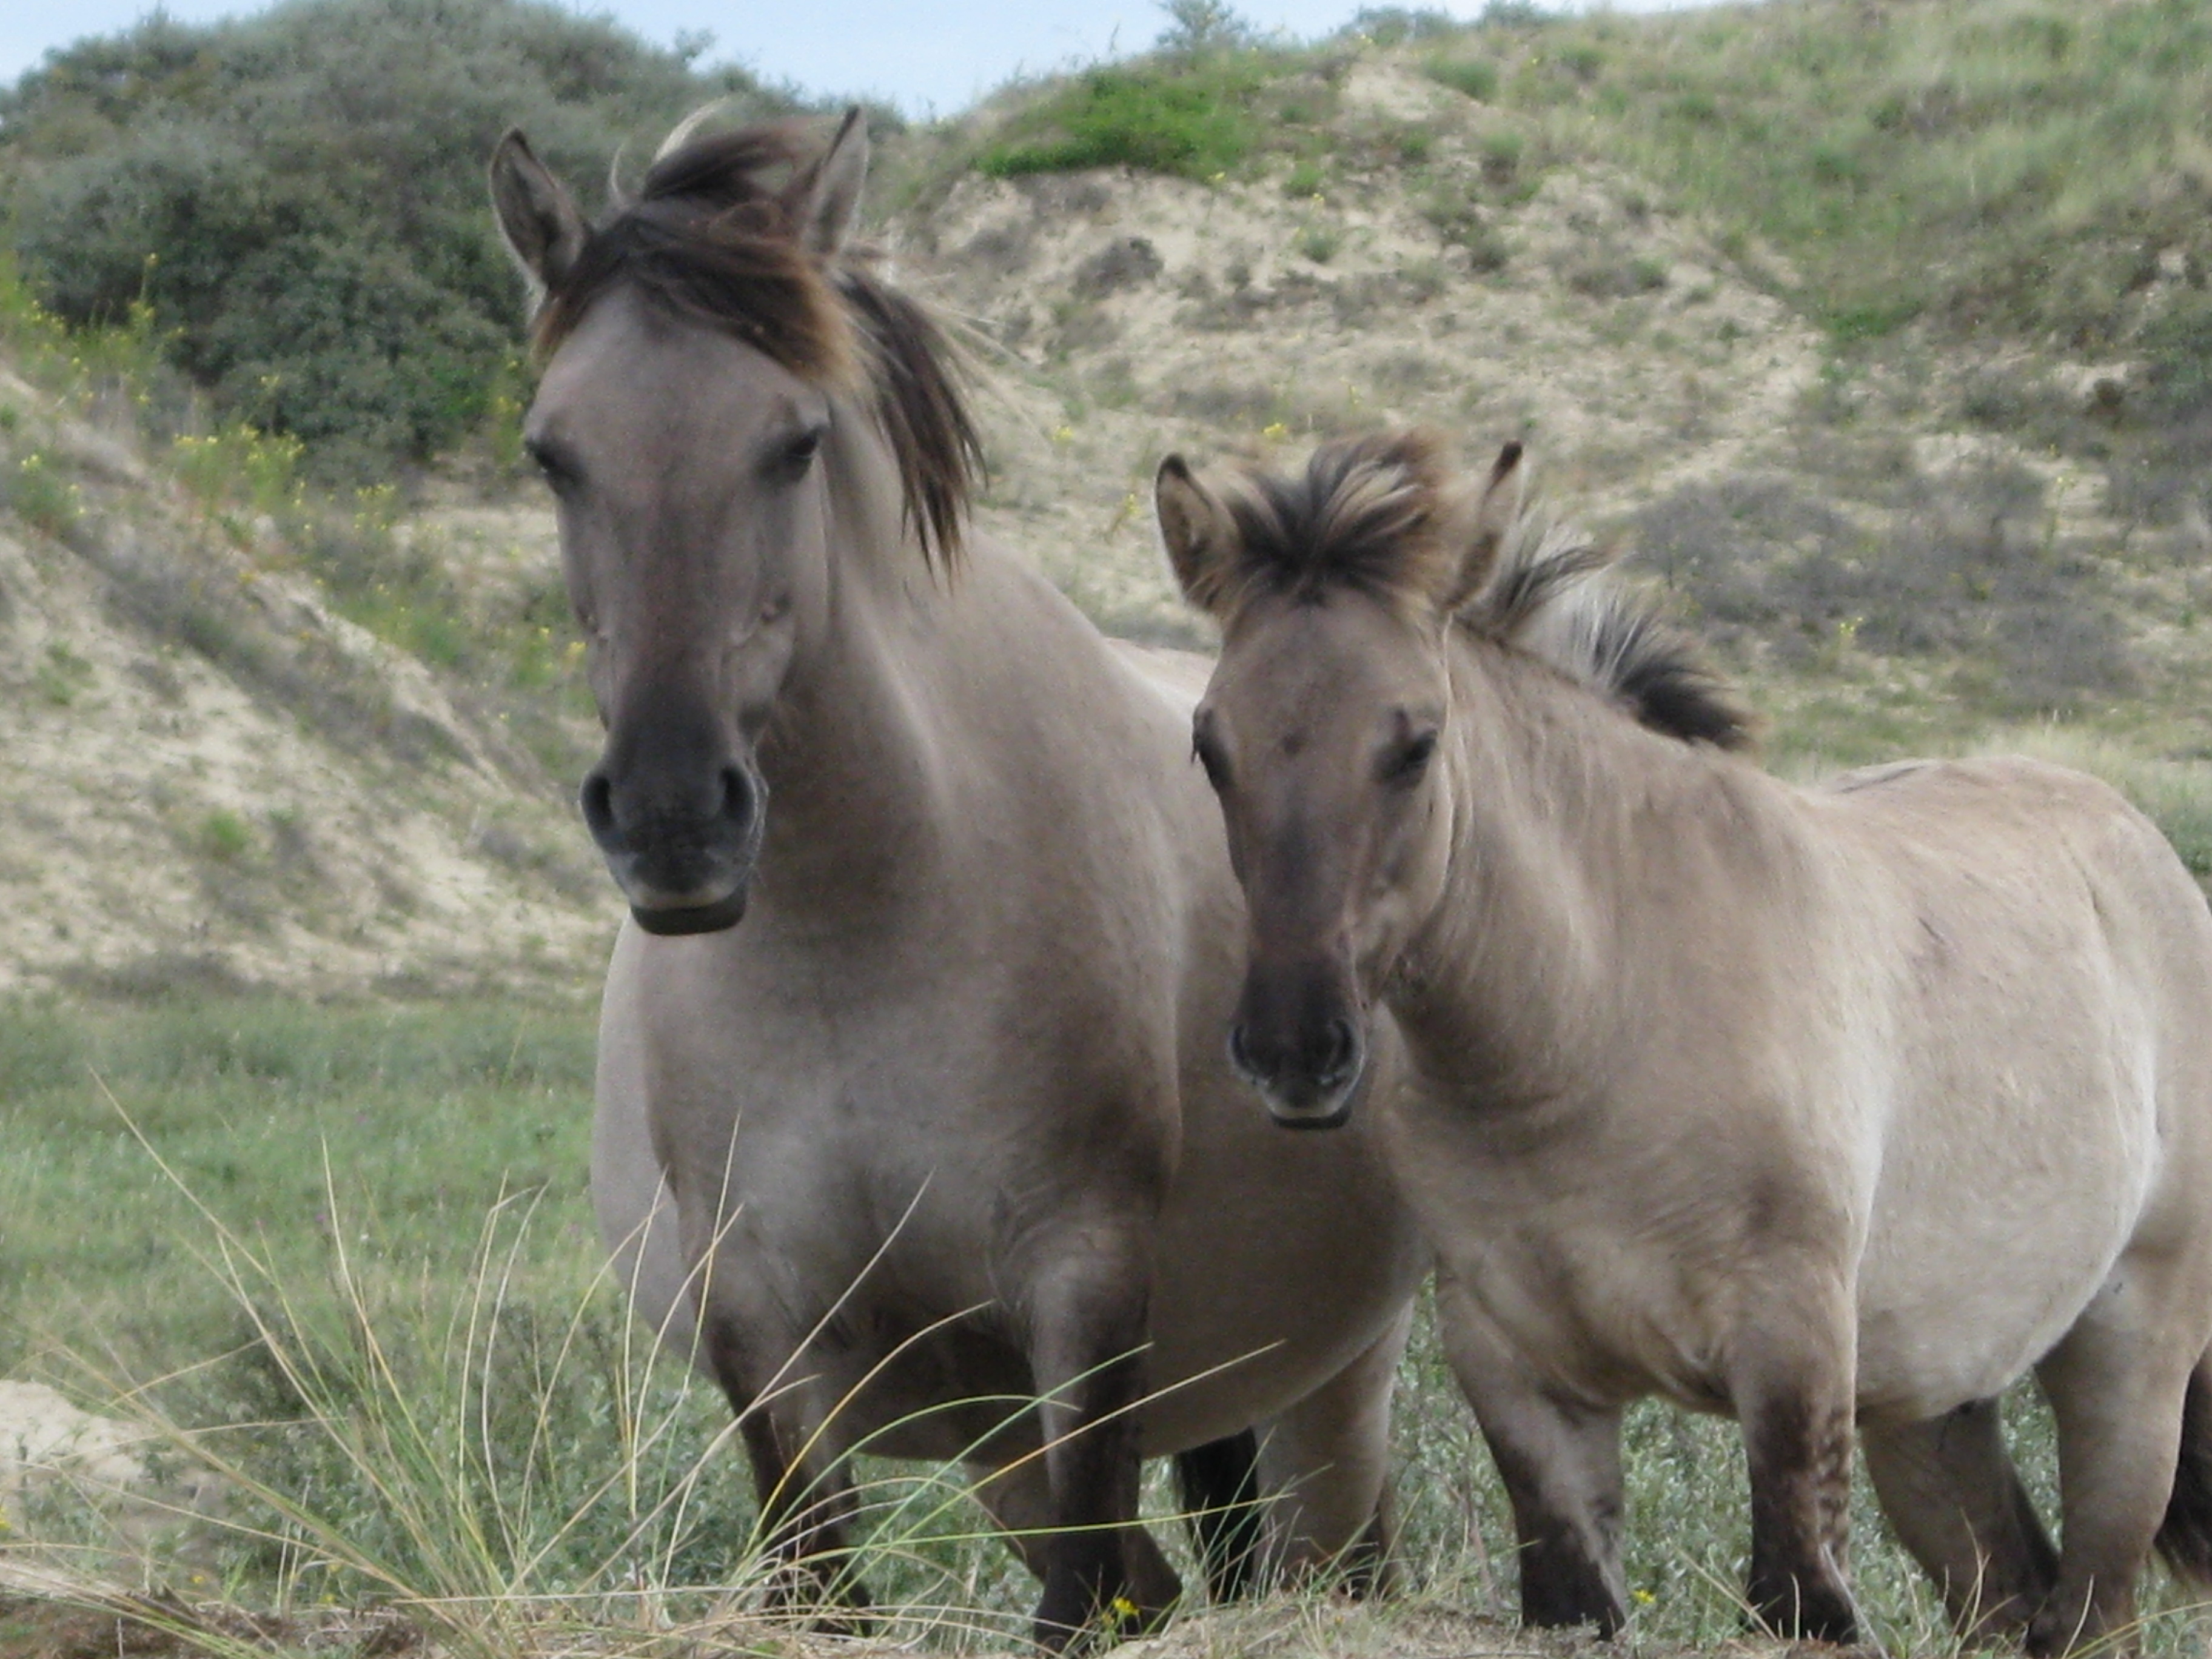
{"x": 1393, "y": 26}
{"x": 1477, "y": 77}
{"x": 1192, "y": 120}
{"x": 2177, "y": 356}
{"x": 294, "y": 201}
{"x": 41, "y": 496}
{"x": 224, "y": 837}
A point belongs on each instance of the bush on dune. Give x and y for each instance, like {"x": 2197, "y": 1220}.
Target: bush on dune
{"x": 299, "y": 197}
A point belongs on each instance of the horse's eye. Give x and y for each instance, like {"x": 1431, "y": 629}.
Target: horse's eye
{"x": 1410, "y": 760}
{"x": 798, "y": 454}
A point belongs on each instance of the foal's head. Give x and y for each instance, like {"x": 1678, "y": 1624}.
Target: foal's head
{"x": 711, "y": 360}
{"x": 1327, "y": 729}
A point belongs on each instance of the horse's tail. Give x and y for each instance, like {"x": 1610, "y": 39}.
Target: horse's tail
{"x": 2185, "y": 1537}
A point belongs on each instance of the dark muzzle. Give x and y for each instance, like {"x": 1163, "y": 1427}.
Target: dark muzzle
{"x": 1298, "y": 1041}
{"x": 681, "y": 845}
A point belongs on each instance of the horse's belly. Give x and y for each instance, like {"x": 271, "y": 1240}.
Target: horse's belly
{"x": 2006, "y": 1197}
{"x": 1956, "y": 1308}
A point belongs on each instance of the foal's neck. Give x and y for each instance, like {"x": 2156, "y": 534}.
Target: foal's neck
{"x": 1567, "y": 816}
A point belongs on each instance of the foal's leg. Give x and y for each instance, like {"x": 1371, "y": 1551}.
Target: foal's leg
{"x": 2116, "y": 1385}
{"x": 1792, "y": 1387}
{"x": 1560, "y": 1462}
{"x": 1952, "y": 1494}
{"x": 1325, "y": 1463}
{"x": 1089, "y": 1320}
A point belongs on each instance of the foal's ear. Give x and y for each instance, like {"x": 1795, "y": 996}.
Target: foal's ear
{"x": 1488, "y": 518}
{"x": 825, "y": 198}
{"x": 537, "y": 216}
{"x": 1198, "y": 532}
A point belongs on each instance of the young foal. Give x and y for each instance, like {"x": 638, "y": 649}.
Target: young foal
{"x": 1802, "y": 1105}
{"x": 911, "y": 1098}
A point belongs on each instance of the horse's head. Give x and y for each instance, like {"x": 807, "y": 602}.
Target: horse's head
{"x": 706, "y": 351}
{"x": 1322, "y": 729}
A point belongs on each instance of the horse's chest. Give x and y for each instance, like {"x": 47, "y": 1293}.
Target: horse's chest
{"x": 1605, "y": 1284}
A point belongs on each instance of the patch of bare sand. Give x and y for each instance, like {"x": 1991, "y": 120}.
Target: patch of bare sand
{"x": 216, "y": 780}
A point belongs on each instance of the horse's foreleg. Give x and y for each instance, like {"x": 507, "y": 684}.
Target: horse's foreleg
{"x": 1560, "y": 1462}
{"x": 1324, "y": 1464}
{"x": 1951, "y": 1493}
{"x": 804, "y": 1493}
{"x": 1088, "y": 1330}
{"x": 1019, "y": 1503}
{"x": 1795, "y": 1400}
{"x": 1219, "y": 1485}
{"x": 2116, "y": 1386}
{"x": 806, "y": 1520}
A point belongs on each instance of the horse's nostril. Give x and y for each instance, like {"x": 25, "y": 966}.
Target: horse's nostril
{"x": 736, "y": 796}
{"x": 1239, "y": 1056}
{"x": 1339, "y": 1051}
{"x": 598, "y": 801}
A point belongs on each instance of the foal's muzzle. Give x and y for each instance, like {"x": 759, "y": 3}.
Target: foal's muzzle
{"x": 682, "y": 850}
{"x": 1309, "y": 1081}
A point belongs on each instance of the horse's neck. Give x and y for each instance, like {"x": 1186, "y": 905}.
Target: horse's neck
{"x": 1563, "y": 811}
{"x": 853, "y": 756}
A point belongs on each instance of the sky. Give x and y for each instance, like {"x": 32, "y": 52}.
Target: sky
{"x": 925, "y": 57}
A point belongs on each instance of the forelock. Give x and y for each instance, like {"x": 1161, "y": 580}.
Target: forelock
{"x": 1372, "y": 514}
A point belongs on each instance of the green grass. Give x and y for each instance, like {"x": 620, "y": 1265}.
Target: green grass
{"x": 1986, "y": 162}
{"x": 392, "y": 1299}
{"x": 1472, "y": 77}
{"x": 430, "y": 1114}
{"x": 1195, "y": 115}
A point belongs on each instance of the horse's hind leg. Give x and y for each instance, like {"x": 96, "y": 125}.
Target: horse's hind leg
{"x": 1560, "y": 1462}
{"x": 1219, "y": 1485}
{"x": 1325, "y": 1466}
{"x": 2116, "y": 1386}
{"x": 1954, "y": 1497}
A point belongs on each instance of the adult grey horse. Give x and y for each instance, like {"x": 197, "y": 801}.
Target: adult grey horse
{"x": 1821, "y": 1107}
{"x": 911, "y": 1052}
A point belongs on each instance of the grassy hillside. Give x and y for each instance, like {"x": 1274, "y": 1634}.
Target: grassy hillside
{"x": 1882, "y": 333}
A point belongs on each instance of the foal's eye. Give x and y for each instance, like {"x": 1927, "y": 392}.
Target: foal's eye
{"x": 1410, "y": 760}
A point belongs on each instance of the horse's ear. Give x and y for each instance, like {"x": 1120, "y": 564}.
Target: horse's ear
{"x": 825, "y": 198}
{"x": 1199, "y": 535}
{"x": 1487, "y": 518}
{"x": 537, "y": 216}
